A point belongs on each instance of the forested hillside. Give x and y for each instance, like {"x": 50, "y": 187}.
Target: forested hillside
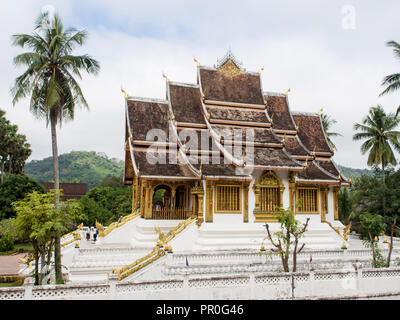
{"x": 77, "y": 166}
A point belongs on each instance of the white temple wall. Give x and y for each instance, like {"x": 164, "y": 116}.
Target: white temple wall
{"x": 330, "y": 215}
{"x": 283, "y": 176}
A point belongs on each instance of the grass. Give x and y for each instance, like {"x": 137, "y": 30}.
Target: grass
{"x": 20, "y": 247}
{"x": 11, "y": 282}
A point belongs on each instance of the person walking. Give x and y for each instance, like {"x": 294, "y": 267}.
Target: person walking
{"x": 95, "y": 232}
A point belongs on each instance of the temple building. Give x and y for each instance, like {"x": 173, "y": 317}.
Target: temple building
{"x": 228, "y": 152}
{"x": 209, "y": 166}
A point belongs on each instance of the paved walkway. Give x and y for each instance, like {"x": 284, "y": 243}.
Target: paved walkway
{"x": 9, "y": 265}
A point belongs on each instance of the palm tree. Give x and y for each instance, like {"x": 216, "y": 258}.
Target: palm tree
{"x": 392, "y": 81}
{"x": 327, "y": 122}
{"x": 50, "y": 81}
{"x": 377, "y": 129}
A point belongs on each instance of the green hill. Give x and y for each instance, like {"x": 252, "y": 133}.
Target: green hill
{"x": 77, "y": 166}
{"x": 347, "y": 172}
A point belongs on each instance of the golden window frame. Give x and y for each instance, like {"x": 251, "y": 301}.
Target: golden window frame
{"x": 316, "y": 199}
{"x": 238, "y": 198}
{"x": 268, "y": 181}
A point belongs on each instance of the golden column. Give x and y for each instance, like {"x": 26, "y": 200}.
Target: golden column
{"x": 199, "y": 191}
{"x": 209, "y": 201}
{"x": 135, "y": 193}
{"x": 246, "y": 201}
{"x": 324, "y": 202}
{"x": 148, "y": 201}
{"x": 292, "y": 194}
{"x": 336, "y": 202}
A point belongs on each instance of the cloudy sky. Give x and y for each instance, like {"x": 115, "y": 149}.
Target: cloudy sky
{"x": 331, "y": 54}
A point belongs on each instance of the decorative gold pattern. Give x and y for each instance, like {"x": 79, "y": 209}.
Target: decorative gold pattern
{"x": 230, "y": 70}
{"x": 268, "y": 190}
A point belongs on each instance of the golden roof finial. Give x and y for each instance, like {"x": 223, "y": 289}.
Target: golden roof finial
{"x": 197, "y": 61}
{"x": 287, "y": 92}
{"x": 266, "y": 100}
{"x": 126, "y": 95}
{"x": 138, "y": 167}
{"x": 313, "y": 153}
{"x": 284, "y": 138}
{"x": 272, "y": 118}
{"x": 261, "y": 70}
{"x": 351, "y": 177}
{"x": 306, "y": 163}
{"x": 320, "y": 112}
{"x": 166, "y": 78}
{"x": 340, "y": 174}
{"x": 201, "y": 169}
{"x": 297, "y": 127}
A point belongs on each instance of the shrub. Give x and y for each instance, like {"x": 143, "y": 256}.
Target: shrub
{"x": 6, "y": 243}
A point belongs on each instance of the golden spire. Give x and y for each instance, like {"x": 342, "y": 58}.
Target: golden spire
{"x": 261, "y": 70}
{"x": 320, "y": 112}
{"x": 166, "y": 78}
{"x": 287, "y": 92}
{"x": 197, "y": 61}
{"x": 126, "y": 95}
{"x": 297, "y": 127}
{"x": 306, "y": 163}
{"x": 340, "y": 174}
{"x": 351, "y": 176}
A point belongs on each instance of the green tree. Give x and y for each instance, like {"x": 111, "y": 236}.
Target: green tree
{"x": 50, "y": 81}
{"x": 15, "y": 188}
{"x": 327, "y": 123}
{"x": 374, "y": 225}
{"x": 344, "y": 205}
{"x": 14, "y": 149}
{"x": 392, "y": 82}
{"x": 106, "y": 205}
{"x": 378, "y": 131}
{"x": 286, "y": 240}
{"x": 112, "y": 182}
{"x": 40, "y": 221}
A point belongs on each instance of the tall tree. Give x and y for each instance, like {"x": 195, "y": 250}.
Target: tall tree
{"x": 392, "y": 81}
{"x": 327, "y": 123}
{"x": 50, "y": 81}
{"x": 378, "y": 129}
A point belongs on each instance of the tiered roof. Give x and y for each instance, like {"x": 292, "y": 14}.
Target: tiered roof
{"x": 207, "y": 124}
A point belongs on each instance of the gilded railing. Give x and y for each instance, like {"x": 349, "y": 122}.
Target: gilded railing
{"x": 346, "y": 231}
{"x": 157, "y": 252}
{"x": 171, "y": 213}
{"x": 104, "y": 232}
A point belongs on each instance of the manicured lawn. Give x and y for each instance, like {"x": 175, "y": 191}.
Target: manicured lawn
{"x": 26, "y": 247}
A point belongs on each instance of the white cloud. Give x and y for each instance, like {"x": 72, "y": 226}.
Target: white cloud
{"x": 328, "y": 67}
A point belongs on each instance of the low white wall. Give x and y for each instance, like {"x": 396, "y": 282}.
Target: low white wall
{"x": 314, "y": 284}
